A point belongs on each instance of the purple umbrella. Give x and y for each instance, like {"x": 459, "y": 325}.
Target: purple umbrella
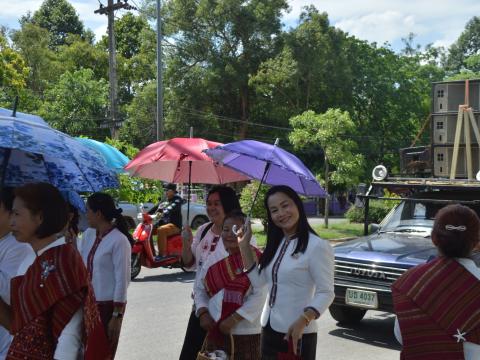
{"x": 267, "y": 163}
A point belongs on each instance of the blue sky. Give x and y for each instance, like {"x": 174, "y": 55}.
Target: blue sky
{"x": 439, "y": 22}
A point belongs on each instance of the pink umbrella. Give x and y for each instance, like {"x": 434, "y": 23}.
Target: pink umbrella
{"x": 181, "y": 160}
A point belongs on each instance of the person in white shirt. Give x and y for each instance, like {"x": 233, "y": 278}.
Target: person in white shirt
{"x": 297, "y": 266}
{"x": 12, "y": 253}
{"x": 195, "y": 252}
{"x": 50, "y": 295}
{"x": 224, "y": 299}
{"x": 106, "y": 250}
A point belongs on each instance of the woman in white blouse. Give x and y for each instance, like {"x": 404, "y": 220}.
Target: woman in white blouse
{"x": 195, "y": 252}
{"x": 106, "y": 251}
{"x": 297, "y": 266}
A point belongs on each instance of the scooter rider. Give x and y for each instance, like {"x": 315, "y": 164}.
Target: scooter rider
{"x": 170, "y": 222}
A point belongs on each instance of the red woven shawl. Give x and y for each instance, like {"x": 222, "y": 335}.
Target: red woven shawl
{"x": 434, "y": 302}
{"x": 54, "y": 287}
{"x": 227, "y": 274}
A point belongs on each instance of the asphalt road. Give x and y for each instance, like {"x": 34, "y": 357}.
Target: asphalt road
{"x": 159, "y": 305}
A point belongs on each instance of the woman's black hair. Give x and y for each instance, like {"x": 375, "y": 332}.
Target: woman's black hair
{"x": 6, "y": 197}
{"x": 45, "y": 199}
{"x": 236, "y": 214}
{"x": 275, "y": 234}
{"x": 73, "y": 222}
{"x": 228, "y": 197}
{"x": 104, "y": 203}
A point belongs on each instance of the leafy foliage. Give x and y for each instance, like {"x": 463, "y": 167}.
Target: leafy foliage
{"x": 246, "y": 201}
{"x": 377, "y": 211}
{"x": 134, "y": 190}
{"x": 60, "y": 19}
{"x": 76, "y": 104}
{"x": 332, "y": 131}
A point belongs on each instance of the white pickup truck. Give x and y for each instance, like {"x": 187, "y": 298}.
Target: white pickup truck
{"x": 198, "y": 213}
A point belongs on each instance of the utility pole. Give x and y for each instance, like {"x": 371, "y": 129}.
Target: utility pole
{"x": 112, "y": 60}
{"x": 159, "y": 119}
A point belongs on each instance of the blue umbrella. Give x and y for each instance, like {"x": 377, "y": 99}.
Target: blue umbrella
{"x": 32, "y": 151}
{"x": 114, "y": 159}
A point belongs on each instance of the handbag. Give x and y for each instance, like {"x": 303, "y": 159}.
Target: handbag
{"x": 289, "y": 355}
{"x": 203, "y": 354}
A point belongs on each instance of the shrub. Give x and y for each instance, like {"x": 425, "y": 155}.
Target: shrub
{"x": 377, "y": 211}
{"x": 246, "y": 200}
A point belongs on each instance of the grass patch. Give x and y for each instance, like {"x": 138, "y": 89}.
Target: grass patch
{"x": 341, "y": 230}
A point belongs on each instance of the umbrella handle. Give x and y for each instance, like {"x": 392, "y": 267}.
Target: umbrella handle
{"x": 267, "y": 167}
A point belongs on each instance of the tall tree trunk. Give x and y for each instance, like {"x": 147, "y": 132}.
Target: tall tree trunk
{"x": 327, "y": 202}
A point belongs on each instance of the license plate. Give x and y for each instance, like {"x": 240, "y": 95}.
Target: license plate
{"x": 361, "y": 298}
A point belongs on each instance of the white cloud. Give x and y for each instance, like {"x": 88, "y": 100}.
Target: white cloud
{"x": 438, "y": 22}
{"x": 381, "y": 27}
{"x": 390, "y": 20}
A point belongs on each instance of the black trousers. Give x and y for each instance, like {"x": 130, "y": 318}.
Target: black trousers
{"x": 273, "y": 343}
{"x": 193, "y": 339}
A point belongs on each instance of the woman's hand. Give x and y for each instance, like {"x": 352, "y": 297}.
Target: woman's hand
{"x": 206, "y": 321}
{"x": 295, "y": 331}
{"x": 244, "y": 235}
{"x": 229, "y": 323}
{"x": 187, "y": 236}
{"x": 187, "y": 240}
{"x": 114, "y": 326}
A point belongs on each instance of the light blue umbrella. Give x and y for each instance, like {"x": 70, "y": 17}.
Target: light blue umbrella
{"x": 114, "y": 158}
{"x": 32, "y": 151}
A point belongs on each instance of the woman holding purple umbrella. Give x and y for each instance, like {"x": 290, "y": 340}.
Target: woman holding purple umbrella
{"x": 297, "y": 266}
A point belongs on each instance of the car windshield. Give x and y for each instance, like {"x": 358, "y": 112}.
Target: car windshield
{"x": 415, "y": 216}
{"x": 411, "y": 216}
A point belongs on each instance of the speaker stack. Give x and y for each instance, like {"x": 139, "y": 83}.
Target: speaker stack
{"x": 447, "y": 97}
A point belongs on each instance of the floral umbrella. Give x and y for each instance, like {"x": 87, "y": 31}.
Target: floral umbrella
{"x": 32, "y": 151}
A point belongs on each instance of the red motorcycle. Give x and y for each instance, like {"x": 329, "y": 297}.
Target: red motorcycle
{"x": 142, "y": 250}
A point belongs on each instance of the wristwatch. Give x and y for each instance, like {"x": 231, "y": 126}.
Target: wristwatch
{"x": 117, "y": 314}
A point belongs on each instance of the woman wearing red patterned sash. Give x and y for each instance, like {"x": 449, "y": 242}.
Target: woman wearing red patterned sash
{"x": 437, "y": 304}
{"x": 51, "y": 298}
{"x": 226, "y": 297}
{"x": 106, "y": 251}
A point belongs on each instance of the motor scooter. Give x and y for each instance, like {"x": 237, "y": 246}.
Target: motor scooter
{"x": 142, "y": 250}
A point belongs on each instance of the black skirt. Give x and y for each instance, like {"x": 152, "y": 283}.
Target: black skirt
{"x": 273, "y": 342}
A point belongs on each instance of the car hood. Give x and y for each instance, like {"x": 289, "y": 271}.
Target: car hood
{"x": 389, "y": 248}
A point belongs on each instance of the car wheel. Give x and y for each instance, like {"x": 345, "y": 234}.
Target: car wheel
{"x": 198, "y": 220}
{"x": 346, "y": 315}
{"x": 130, "y": 222}
{"x": 136, "y": 266}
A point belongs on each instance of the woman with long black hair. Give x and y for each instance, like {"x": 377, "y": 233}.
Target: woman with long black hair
{"x": 106, "y": 251}
{"x": 297, "y": 266}
{"x": 196, "y": 250}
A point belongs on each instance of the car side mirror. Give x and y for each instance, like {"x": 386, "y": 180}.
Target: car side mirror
{"x": 374, "y": 228}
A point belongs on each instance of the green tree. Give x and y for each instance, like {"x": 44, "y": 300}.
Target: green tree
{"x": 134, "y": 190}
{"x": 223, "y": 42}
{"x": 59, "y": 18}
{"x": 32, "y": 43}
{"x": 78, "y": 53}
{"x": 136, "y": 54}
{"x": 331, "y": 130}
{"x": 246, "y": 201}
{"x": 139, "y": 127}
{"x": 76, "y": 104}
{"x": 467, "y": 44}
{"x": 13, "y": 73}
